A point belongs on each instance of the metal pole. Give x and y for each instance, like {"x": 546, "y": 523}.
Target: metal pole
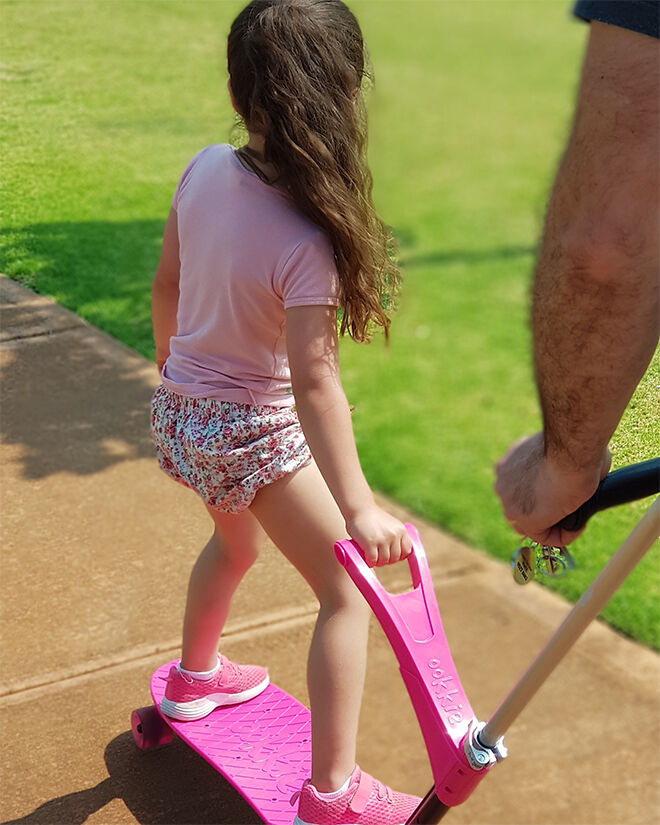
{"x": 587, "y": 608}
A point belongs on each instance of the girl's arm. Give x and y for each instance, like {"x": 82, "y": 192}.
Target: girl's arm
{"x": 165, "y": 291}
{"x": 326, "y": 421}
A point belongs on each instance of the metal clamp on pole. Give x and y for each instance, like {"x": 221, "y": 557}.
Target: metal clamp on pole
{"x": 481, "y": 756}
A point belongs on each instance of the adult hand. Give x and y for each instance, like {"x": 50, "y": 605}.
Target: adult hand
{"x": 383, "y": 538}
{"x": 537, "y": 492}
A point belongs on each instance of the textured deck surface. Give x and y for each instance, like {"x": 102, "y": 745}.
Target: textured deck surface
{"x": 262, "y": 747}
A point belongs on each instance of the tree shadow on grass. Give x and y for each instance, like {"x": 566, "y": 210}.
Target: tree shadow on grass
{"x": 101, "y": 270}
{"x": 166, "y": 786}
{"x": 464, "y": 256}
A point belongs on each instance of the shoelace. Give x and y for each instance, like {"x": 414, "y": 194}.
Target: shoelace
{"x": 226, "y": 664}
{"x": 169, "y": 678}
{"x": 384, "y": 791}
{"x": 173, "y": 673}
{"x": 296, "y": 795}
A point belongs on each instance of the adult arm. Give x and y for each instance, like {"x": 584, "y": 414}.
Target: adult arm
{"x": 165, "y": 291}
{"x": 595, "y": 299}
{"x": 326, "y": 421}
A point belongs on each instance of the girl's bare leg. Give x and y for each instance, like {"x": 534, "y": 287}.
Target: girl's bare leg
{"x": 303, "y": 520}
{"x": 230, "y": 552}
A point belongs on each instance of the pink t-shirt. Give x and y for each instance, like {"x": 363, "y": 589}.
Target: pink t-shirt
{"x": 246, "y": 256}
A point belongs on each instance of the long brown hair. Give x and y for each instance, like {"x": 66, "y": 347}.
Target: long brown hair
{"x": 296, "y": 69}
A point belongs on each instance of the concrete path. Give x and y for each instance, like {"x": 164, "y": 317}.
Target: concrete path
{"x": 97, "y": 545}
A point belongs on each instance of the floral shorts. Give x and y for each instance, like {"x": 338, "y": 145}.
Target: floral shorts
{"x": 225, "y": 451}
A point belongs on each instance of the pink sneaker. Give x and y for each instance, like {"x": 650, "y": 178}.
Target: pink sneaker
{"x": 366, "y": 802}
{"x": 187, "y": 698}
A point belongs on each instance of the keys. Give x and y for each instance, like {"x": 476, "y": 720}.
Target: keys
{"x": 522, "y": 564}
{"x": 530, "y": 559}
{"x": 554, "y": 561}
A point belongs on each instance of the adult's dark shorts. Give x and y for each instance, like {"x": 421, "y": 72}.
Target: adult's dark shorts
{"x": 641, "y": 16}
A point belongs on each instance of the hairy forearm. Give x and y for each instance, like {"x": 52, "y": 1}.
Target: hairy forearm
{"x": 593, "y": 339}
{"x": 164, "y": 304}
{"x": 326, "y": 421}
{"x": 595, "y": 306}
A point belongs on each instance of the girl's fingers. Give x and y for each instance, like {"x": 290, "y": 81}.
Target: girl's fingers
{"x": 384, "y": 555}
{"x": 394, "y": 552}
{"x": 392, "y": 545}
{"x": 399, "y": 549}
{"x": 371, "y": 555}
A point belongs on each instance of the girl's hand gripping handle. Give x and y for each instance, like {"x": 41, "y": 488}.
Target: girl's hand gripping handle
{"x": 412, "y": 624}
{"x": 624, "y": 485}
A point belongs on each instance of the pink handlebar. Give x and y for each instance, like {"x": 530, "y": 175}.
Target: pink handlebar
{"x": 412, "y": 624}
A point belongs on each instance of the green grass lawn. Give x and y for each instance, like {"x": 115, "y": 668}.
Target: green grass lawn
{"x": 104, "y": 104}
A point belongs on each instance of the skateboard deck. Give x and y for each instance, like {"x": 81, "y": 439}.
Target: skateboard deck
{"x": 262, "y": 747}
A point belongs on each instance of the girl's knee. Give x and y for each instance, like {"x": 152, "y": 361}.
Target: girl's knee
{"x": 240, "y": 555}
{"x": 237, "y": 539}
{"x": 345, "y": 599}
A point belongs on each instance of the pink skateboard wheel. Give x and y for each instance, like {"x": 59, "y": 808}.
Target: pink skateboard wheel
{"x": 149, "y": 728}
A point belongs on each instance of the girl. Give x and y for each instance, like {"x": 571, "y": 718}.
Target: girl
{"x": 261, "y": 247}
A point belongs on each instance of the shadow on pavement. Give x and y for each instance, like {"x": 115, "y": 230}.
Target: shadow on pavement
{"x": 51, "y": 405}
{"x": 170, "y": 785}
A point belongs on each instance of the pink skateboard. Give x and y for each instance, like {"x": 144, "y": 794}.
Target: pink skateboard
{"x": 261, "y": 747}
